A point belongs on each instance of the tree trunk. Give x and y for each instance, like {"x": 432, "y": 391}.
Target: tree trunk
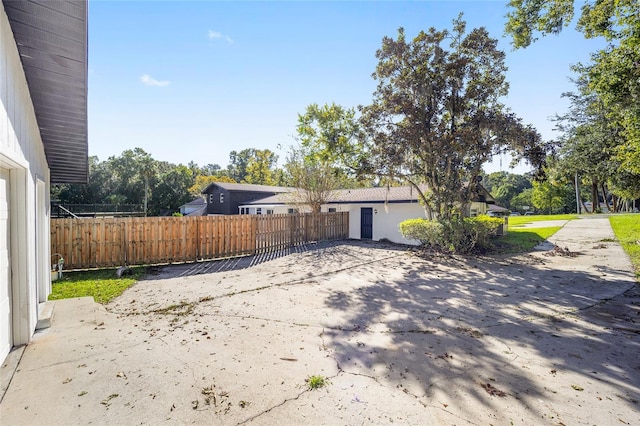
{"x": 584, "y": 206}
{"x": 595, "y": 203}
{"x": 576, "y": 185}
{"x": 604, "y": 195}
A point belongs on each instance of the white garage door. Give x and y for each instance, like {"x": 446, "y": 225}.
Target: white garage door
{"x": 6, "y": 340}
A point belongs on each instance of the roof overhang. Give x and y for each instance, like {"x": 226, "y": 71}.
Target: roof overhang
{"x": 51, "y": 37}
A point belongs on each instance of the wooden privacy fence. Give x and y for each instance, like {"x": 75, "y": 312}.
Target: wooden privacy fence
{"x": 107, "y": 242}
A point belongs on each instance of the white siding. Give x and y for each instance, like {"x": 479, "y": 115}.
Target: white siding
{"x": 277, "y": 209}
{"x": 6, "y": 333}
{"x": 476, "y": 208}
{"x": 22, "y": 154}
{"x": 386, "y": 219}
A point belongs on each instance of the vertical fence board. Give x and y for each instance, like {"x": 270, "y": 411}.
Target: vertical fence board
{"x": 109, "y": 242}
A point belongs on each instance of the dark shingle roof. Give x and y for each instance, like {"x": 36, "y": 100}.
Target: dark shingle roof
{"x": 193, "y": 203}
{"x": 248, "y": 187}
{"x": 377, "y": 195}
{"x": 200, "y": 211}
{"x": 394, "y": 194}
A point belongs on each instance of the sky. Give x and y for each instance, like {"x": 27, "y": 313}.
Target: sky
{"x": 193, "y": 80}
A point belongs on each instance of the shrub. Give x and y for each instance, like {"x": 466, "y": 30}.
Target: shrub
{"x": 428, "y": 232}
{"x": 462, "y": 236}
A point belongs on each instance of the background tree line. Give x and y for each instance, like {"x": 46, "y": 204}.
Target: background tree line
{"x": 134, "y": 177}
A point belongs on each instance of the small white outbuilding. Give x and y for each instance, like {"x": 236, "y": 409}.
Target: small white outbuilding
{"x": 374, "y": 213}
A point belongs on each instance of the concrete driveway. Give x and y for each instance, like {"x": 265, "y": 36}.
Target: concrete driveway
{"x": 541, "y": 338}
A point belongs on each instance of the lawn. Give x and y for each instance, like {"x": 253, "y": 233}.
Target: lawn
{"x": 522, "y": 220}
{"x": 103, "y": 285}
{"x": 627, "y": 230}
{"x": 520, "y": 240}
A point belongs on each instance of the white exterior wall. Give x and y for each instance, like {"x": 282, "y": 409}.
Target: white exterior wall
{"x": 478, "y": 208}
{"x": 386, "y": 220}
{"x": 277, "y": 209}
{"x": 22, "y": 153}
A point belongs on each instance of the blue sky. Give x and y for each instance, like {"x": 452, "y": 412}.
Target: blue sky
{"x": 192, "y": 81}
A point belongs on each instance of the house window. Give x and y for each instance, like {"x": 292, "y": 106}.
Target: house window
{"x": 259, "y": 210}
{"x": 242, "y": 210}
{"x": 210, "y": 198}
{"x": 332, "y": 209}
{"x": 269, "y": 211}
{"x": 292, "y": 211}
{"x": 221, "y": 198}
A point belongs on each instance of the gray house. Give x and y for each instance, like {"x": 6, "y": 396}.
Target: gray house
{"x": 226, "y": 198}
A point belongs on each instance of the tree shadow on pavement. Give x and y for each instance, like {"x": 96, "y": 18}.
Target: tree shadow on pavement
{"x": 492, "y": 340}
{"x": 316, "y": 250}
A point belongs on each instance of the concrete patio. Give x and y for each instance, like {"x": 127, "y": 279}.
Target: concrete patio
{"x": 531, "y": 339}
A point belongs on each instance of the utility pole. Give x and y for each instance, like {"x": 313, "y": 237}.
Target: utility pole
{"x": 577, "y": 194}
{"x": 146, "y": 194}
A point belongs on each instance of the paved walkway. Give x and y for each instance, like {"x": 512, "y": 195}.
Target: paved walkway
{"x": 540, "y": 338}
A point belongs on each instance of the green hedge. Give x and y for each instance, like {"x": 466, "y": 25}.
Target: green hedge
{"x": 468, "y": 235}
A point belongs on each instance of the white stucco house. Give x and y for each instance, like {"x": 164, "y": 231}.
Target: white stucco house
{"x": 43, "y": 140}
{"x": 374, "y": 213}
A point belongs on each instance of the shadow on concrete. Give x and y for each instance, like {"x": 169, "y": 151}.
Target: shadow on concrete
{"x": 315, "y": 249}
{"x": 456, "y": 334}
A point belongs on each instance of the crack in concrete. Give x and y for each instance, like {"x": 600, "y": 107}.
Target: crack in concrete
{"x": 287, "y": 400}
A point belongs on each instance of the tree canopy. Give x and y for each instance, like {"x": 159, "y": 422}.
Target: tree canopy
{"x": 256, "y": 166}
{"x": 437, "y": 115}
{"x": 505, "y": 187}
{"x": 613, "y": 73}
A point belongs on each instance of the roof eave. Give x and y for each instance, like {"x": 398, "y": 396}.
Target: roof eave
{"x": 51, "y": 38}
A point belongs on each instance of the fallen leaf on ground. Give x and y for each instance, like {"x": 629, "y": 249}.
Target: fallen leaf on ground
{"x": 492, "y": 390}
{"x": 107, "y": 401}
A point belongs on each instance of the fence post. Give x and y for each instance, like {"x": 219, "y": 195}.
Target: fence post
{"x": 125, "y": 244}
{"x": 291, "y": 229}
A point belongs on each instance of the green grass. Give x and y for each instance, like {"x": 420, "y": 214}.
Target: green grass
{"x": 103, "y": 285}
{"x": 316, "y": 382}
{"x": 627, "y": 230}
{"x": 520, "y": 240}
{"x": 522, "y": 220}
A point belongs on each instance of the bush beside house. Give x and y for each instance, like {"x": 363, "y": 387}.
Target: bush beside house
{"x": 467, "y": 235}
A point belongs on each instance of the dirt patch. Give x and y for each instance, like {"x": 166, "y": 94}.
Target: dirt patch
{"x": 564, "y": 251}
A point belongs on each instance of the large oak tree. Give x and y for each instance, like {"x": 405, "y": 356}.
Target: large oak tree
{"x": 437, "y": 115}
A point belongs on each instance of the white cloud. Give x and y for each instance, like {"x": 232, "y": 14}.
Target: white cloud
{"x": 215, "y": 35}
{"x": 150, "y": 81}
